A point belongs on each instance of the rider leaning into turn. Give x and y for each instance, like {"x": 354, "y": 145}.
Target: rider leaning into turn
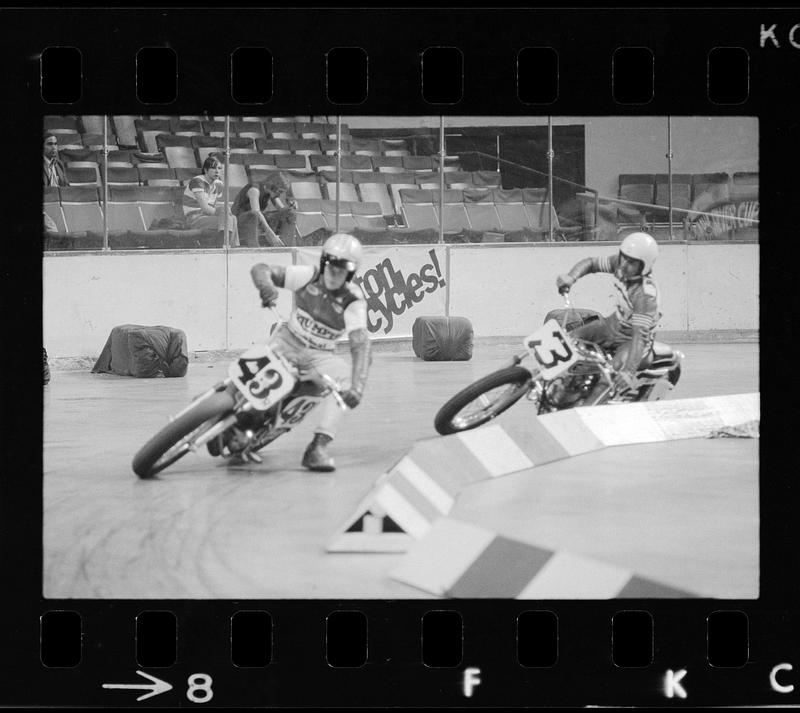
{"x": 629, "y": 331}
{"x": 327, "y": 305}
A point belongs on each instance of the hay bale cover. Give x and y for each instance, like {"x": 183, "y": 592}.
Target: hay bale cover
{"x": 134, "y": 350}
{"x": 442, "y": 338}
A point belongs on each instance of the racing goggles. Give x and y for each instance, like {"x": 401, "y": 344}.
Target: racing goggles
{"x": 344, "y": 263}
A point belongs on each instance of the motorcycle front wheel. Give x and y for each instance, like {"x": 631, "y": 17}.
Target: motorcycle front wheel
{"x": 482, "y": 401}
{"x": 172, "y": 441}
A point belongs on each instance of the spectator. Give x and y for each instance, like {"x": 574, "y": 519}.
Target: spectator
{"x": 53, "y": 173}
{"x": 203, "y": 206}
{"x": 264, "y": 204}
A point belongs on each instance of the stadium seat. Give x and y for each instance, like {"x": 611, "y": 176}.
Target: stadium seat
{"x": 368, "y": 216}
{"x": 122, "y": 176}
{"x": 377, "y": 193}
{"x": 120, "y": 156}
{"x": 237, "y": 175}
{"x": 83, "y": 173}
{"x": 388, "y": 164}
{"x": 681, "y": 194}
{"x": 365, "y": 147}
{"x": 744, "y": 187}
{"x": 328, "y": 146}
{"x": 345, "y": 222}
{"x": 481, "y": 210}
{"x": 273, "y": 146}
{"x": 69, "y": 141}
{"x": 418, "y": 209}
{"x": 394, "y": 192}
{"x": 306, "y": 189}
{"x": 125, "y": 216}
{"x": 322, "y": 163}
{"x": 148, "y": 173}
{"x": 370, "y": 177}
{"x": 639, "y": 187}
{"x": 309, "y": 217}
{"x": 344, "y": 176}
{"x": 148, "y": 129}
{"x": 165, "y": 140}
{"x": 486, "y": 179}
{"x": 52, "y": 206}
{"x": 538, "y": 218}
{"x": 61, "y": 124}
{"x": 510, "y": 209}
{"x": 356, "y": 163}
{"x": 347, "y": 191}
{"x": 394, "y": 147}
{"x": 214, "y": 128}
{"x": 292, "y": 163}
{"x": 250, "y": 158}
{"x": 156, "y": 203}
{"x": 95, "y": 141}
{"x": 93, "y": 124}
{"x": 284, "y": 135}
{"x": 304, "y": 147}
{"x": 454, "y": 213}
{"x": 709, "y": 188}
{"x": 418, "y": 163}
{"x": 182, "y": 157}
{"x": 184, "y": 175}
{"x": 187, "y": 127}
{"x": 81, "y": 209}
{"x": 125, "y": 130}
{"x": 462, "y": 178}
{"x": 203, "y": 152}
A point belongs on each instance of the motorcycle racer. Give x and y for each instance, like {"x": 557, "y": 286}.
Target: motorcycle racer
{"x": 628, "y": 333}
{"x": 327, "y": 305}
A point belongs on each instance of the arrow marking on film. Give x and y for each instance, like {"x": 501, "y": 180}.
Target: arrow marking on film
{"x": 156, "y": 687}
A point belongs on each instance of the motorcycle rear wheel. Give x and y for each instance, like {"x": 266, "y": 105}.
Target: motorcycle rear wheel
{"x": 449, "y": 418}
{"x": 172, "y": 441}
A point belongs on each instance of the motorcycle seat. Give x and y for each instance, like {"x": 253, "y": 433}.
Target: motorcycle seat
{"x": 661, "y": 350}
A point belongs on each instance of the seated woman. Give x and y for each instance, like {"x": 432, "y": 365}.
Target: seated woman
{"x": 203, "y": 206}
{"x": 263, "y": 204}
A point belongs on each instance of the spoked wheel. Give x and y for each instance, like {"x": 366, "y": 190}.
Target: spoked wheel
{"x": 172, "y": 441}
{"x": 482, "y": 401}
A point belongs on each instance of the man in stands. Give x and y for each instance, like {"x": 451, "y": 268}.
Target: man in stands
{"x": 327, "y": 305}
{"x": 53, "y": 173}
{"x": 203, "y": 206}
{"x": 630, "y": 330}
{"x": 264, "y": 204}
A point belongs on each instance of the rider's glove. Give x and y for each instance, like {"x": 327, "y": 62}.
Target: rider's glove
{"x": 564, "y": 282}
{"x": 351, "y": 397}
{"x": 269, "y": 295}
{"x": 624, "y": 381}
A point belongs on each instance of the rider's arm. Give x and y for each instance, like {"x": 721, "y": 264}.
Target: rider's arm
{"x": 266, "y": 276}
{"x": 355, "y": 318}
{"x": 593, "y": 264}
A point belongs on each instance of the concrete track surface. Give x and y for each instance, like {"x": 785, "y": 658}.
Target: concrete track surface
{"x": 682, "y": 512}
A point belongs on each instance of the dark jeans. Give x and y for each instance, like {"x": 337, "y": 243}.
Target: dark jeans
{"x": 281, "y": 221}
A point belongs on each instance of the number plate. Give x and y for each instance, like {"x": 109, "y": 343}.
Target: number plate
{"x": 261, "y": 377}
{"x": 552, "y": 349}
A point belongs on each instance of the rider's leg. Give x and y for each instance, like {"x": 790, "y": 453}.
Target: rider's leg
{"x": 316, "y": 456}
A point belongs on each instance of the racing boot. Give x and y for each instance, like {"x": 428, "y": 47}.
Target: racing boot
{"x": 316, "y": 456}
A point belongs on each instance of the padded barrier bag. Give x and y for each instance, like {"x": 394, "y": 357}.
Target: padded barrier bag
{"x": 577, "y": 317}
{"x": 134, "y": 350}
{"x": 442, "y": 338}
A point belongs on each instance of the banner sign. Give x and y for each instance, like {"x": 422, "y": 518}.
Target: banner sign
{"x": 400, "y": 284}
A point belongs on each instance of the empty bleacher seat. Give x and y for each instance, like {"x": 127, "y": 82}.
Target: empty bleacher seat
{"x": 347, "y": 191}
{"x": 638, "y": 187}
{"x": 708, "y": 189}
{"x": 148, "y": 129}
{"x": 214, "y": 128}
{"x": 322, "y": 163}
{"x": 83, "y": 173}
{"x": 122, "y": 176}
{"x": 165, "y": 140}
{"x": 187, "y": 127}
{"x": 370, "y": 177}
{"x": 510, "y": 209}
{"x": 93, "y": 124}
{"x": 395, "y": 190}
{"x": 52, "y": 206}
{"x": 388, "y": 164}
{"x": 237, "y": 175}
{"x": 458, "y": 179}
{"x": 356, "y": 163}
{"x": 368, "y": 216}
{"x": 454, "y": 214}
{"x": 344, "y": 176}
{"x": 377, "y": 193}
{"x": 81, "y": 208}
{"x": 304, "y": 147}
{"x": 681, "y": 193}
{"x": 394, "y": 147}
{"x": 486, "y": 179}
{"x": 69, "y": 141}
{"x": 306, "y": 189}
{"x": 95, "y": 141}
{"x": 181, "y": 157}
{"x": 61, "y": 124}
{"x": 148, "y": 173}
{"x": 365, "y": 147}
{"x": 273, "y": 146}
{"x": 125, "y": 130}
{"x": 251, "y": 158}
{"x": 481, "y": 210}
{"x": 345, "y": 219}
{"x": 292, "y": 162}
{"x": 328, "y": 146}
{"x": 285, "y": 135}
{"x": 418, "y": 163}
{"x": 418, "y": 209}
{"x": 309, "y": 217}
{"x": 184, "y": 175}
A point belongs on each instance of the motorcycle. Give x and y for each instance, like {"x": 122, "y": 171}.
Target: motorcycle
{"x": 563, "y": 374}
{"x": 263, "y": 397}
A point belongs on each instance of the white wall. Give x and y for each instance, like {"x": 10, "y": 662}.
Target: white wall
{"x": 503, "y": 289}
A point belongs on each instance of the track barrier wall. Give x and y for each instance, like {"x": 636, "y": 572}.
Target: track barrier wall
{"x": 505, "y": 290}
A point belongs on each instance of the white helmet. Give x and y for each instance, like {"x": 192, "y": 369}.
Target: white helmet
{"x": 343, "y": 250}
{"x": 641, "y": 247}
